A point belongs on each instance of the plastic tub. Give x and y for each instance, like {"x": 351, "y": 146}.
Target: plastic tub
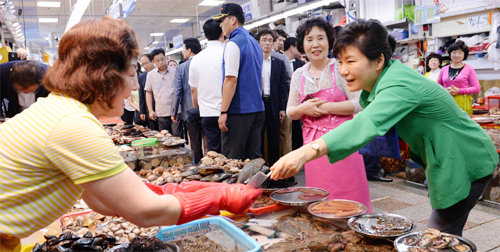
{"x": 206, "y": 226}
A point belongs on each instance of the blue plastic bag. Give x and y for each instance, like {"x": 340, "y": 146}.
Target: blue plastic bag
{"x": 383, "y": 146}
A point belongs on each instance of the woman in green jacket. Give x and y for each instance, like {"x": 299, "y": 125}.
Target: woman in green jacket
{"x": 458, "y": 155}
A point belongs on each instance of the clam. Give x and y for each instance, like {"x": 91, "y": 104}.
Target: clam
{"x": 411, "y": 241}
{"x": 461, "y": 248}
{"x": 209, "y": 170}
{"x": 212, "y": 154}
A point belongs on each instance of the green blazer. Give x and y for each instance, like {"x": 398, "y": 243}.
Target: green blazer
{"x": 454, "y": 149}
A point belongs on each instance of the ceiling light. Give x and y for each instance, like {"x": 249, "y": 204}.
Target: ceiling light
{"x": 210, "y": 3}
{"x": 155, "y": 42}
{"x": 48, "y": 4}
{"x": 76, "y": 15}
{"x": 156, "y": 34}
{"x": 48, "y": 20}
{"x": 146, "y": 48}
{"x": 179, "y": 20}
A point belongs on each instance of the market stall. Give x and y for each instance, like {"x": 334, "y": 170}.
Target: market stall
{"x": 272, "y": 223}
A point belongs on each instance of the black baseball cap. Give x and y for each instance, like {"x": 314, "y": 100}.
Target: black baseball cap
{"x": 231, "y": 9}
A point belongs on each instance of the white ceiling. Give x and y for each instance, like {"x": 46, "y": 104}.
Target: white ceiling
{"x": 149, "y": 16}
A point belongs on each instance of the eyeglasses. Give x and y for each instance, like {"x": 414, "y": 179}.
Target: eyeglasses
{"x": 158, "y": 60}
{"x": 267, "y": 40}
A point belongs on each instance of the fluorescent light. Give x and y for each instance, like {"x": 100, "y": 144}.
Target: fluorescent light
{"x": 210, "y": 3}
{"x": 146, "y": 48}
{"x": 76, "y": 15}
{"x": 156, "y": 34}
{"x": 48, "y": 20}
{"x": 155, "y": 42}
{"x": 288, "y": 13}
{"x": 48, "y": 4}
{"x": 173, "y": 51}
{"x": 179, "y": 20}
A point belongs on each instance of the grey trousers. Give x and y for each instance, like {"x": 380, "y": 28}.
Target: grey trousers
{"x": 452, "y": 219}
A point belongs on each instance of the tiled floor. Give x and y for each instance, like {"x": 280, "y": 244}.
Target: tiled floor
{"x": 399, "y": 197}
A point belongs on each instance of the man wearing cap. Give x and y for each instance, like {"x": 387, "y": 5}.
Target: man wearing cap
{"x": 242, "y": 109}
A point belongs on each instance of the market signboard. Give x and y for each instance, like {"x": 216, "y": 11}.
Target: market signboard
{"x": 177, "y": 41}
{"x": 247, "y": 9}
{"x": 114, "y": 10}
{"x": 128, "y": 7}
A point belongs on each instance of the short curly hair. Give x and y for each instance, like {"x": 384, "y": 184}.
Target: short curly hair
{"x": 93, "y": 56}
{"x": 432, "y": 55}
{"x": 306, "y": 27}
{"x": 459, "y": 45}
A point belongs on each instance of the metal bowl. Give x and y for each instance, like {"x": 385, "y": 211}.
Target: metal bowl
{"x": 363, "y": 225}
{"x": 332, "y": 216}
{"x": 292, "y": 198}
{"x": 400, "y": 245}
{"x": 483, "y": 119}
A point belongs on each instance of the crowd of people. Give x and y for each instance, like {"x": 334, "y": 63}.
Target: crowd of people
{"x": 245, "y": 95}
{"x": 230, "y": 98}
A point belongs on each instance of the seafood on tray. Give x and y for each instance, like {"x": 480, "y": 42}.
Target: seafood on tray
{"x": 68, "y": 241}
{"x": 97, "y": 224}
{"x": 430, "y": 240}
{"x": 337, "y": 208}
{"x": 307, "y": 233}
{"x": 262, "y": 201}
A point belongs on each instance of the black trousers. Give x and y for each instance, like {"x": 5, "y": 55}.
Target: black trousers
{"x": 242, "y": 140}
{"x": 195, "y": 137}
{"x": 128, "y": 116}
{"x": 373, "y": 166}
{"x": 297, "y": 140}
{"x": 212, "y": 133}
{"x": 452, "y": 219}
{"x": 272, "y": 125}
{"x": 164, "y": 123}
{"x": 138, "y": 120}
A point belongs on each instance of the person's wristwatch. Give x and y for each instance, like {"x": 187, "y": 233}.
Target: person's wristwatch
{"x": 223, "y": 112}
{"x": 315, "y": 147}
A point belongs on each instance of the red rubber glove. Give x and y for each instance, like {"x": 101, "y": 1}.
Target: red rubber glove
{"x": 234, "y": 198}
{"x": 187, "y": 186}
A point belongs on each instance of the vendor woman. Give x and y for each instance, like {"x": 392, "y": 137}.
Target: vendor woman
{"x": 320, "y": 97}
{"x": 458, "y": 155}
{"x": 56, "y": 151}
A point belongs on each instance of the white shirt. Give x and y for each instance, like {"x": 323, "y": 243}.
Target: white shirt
{"x": 434, "y": 74}
{"x": 26, "y": 99}
{"x": 127, "y": 105}
{"x": 231, "y": 59}
{"x": 205, "y": 74}
{"x": 266, "y": 76}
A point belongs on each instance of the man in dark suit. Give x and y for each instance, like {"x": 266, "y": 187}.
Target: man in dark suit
{"x": 275, "y": 87}
{"x": 187, "y": 115}
{"x": 293, "y": 54}
{"x": 147, "y": 62}
{"x": 20, "y": 86}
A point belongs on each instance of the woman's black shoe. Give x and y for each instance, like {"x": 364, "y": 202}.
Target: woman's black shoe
{"x": 378, "y": 178}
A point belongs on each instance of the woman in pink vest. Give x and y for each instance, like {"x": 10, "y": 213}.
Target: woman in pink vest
{"x": 460, "y": 79}
{"x": 319, "y": 96}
